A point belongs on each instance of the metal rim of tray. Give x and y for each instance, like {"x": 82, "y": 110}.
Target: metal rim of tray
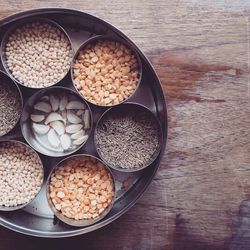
{"x": 79, "y": 231}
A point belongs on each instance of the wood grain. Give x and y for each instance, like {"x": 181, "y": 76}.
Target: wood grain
{"x": 200, "y": 198}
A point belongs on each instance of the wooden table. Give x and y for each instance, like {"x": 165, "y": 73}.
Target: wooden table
{"x": 200, "y": 198}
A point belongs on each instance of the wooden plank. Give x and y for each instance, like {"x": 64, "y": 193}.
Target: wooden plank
{"x": 200, "y": 196}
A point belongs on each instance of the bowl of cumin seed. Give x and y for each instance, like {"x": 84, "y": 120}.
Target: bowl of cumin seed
{"x": 128, "y": 137}
{"x": 11, "y": 103}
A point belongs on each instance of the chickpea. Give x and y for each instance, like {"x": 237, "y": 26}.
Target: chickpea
{"x": 22, "y": 174}
{"x": 36, "y": 58}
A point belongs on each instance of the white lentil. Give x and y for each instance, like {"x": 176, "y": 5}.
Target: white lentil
{"x": 38, "y": 49}
{"x": 21, "y": 174}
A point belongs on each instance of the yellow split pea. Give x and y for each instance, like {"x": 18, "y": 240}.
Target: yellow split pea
{"x": 81, "y": 188}
{"x": 106, "y": 73}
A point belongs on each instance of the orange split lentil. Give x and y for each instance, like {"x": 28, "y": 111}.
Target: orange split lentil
{"x": 81, "y": 188}
{"x": 106, "y": 72}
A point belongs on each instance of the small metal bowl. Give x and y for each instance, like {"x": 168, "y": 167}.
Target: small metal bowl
{"x": 82, "y": 222}
{"x": 5, "y": 208}
{"x": 19, "y": 24}
{"x": 125, "y": 108}
{"x": 95, "y": 39}
{"x": 35, "y": 141}
{"x": 4, "y": 78}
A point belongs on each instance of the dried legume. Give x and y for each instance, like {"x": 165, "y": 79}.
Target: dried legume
{"x": 38, "y": 54}
{"x": 106, "y": 72}
{"x": 127, "y": 138}
{"x": 81, "y": 188}
{"x": 10, "y": 107}
{"x": 21, "y": 174}
{"x": 62, "y": 121}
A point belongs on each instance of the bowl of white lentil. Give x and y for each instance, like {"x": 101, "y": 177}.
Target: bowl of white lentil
{"x": 36, "y": 52}
{"x": 106, "y": 71}
{"x": 21, "y": 175}
{"x": 81, "y": 190}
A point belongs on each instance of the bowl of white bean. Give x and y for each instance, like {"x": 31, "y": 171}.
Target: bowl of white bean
{"x": 21, "y": 175}
{"x": 56, "y": 121}
{"x": 36, "y": 52}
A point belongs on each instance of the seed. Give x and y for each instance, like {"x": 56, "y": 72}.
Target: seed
{"x": 111, "y": 64}
{"x": 92, "y": 196}
{"x": 58, "y": 184}
{"x": 21, "y": 174}
{"x": 93, "y": 203}
{"x": 103, "y": 199}
{"x": 67, "y": 121}
{"x": 86, "y": 202}
{"x": 94, "y": 59}
{"x": 127, "y": 138}
{"x": 112, "y": 96}
{"x": 83, "y": 201}
{"x": 52, "y": 194}
{"x": 107, "y": 100}
{"x": 38, "y": 70}
{"x": 58, "y": 206}
{"x": 60, "y": 194}
{"x": 10, "y": 107}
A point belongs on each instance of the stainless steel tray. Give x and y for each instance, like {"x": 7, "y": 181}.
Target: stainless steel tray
{"x": 37, "y": 218}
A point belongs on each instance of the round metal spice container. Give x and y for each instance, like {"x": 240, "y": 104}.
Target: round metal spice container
{"x": 84, "y": 190}
{"x": 21, "y": 175}
{"x": 56, "y": 121}
{"x": 105, "y": 71}
{"x": 36, "y": 52}
{"x": 128, "y": 137}
{"x": 81, "y": 190}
